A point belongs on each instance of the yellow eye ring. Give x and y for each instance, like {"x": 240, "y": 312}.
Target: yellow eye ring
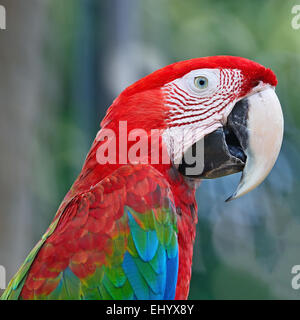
{"x": 201, "y": 82}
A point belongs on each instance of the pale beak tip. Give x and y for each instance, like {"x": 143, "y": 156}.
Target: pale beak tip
{"x": 232, "y": 197}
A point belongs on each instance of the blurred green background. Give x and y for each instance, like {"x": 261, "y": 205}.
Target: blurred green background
{"x": 63, "y": 62}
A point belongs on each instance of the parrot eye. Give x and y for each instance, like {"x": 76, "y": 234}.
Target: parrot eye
{"x": 201, "y": 82}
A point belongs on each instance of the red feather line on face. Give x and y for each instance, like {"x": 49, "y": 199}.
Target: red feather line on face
{"x": 181, "y": 110}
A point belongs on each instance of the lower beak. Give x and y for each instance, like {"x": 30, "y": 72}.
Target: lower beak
{"x": 249, "y": 142}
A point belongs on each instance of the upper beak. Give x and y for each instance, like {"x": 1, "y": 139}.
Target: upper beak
{"x": 249, "y": 142}
{"x": 265, "y": 133}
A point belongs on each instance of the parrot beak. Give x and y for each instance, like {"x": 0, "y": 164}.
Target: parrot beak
{"x": 261, "y": 140}
{"x": 249, "y": 142}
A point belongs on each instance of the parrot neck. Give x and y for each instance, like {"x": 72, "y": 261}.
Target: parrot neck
{"x": 183, "y": 189}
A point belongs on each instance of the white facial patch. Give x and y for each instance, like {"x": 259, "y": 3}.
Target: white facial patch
{"x": 195, "y": 111}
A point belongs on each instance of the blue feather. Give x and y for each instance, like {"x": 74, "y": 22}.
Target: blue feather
{"x": 153, "y": 273}
{"x": 138, "y": 283}
{"x": 146, "y": 242}
{"x": 171, "y": 281}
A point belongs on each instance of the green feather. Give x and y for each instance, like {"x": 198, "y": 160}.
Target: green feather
{"x": 104, "y": 293}
{"x": 15, "y": 286}
{"x": 116, "y": 275}
{"x": 92, "y": 294}
{"x": 118, "y": 293}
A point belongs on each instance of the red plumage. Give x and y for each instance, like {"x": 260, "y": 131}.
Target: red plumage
{"x": 91, "y": 209}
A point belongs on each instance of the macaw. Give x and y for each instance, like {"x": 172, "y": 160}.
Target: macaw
{"x": 126, "y": 228}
